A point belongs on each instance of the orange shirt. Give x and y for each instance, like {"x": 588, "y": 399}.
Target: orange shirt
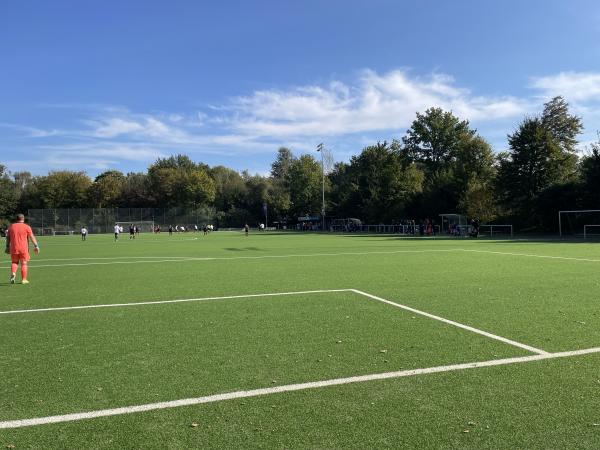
{"x": 18, "y": 234}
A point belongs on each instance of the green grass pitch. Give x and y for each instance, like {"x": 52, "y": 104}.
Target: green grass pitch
{"x": 233, "y": 337}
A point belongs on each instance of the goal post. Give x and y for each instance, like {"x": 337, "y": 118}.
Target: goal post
{"x": 497, "y": 230}
{"x": 591, "y": 231}
{"x": 577, "y": 222}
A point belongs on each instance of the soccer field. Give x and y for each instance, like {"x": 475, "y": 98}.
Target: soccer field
{"x": 302, "y": 341}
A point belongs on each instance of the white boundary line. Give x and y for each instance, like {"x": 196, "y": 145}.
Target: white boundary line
{"x": 529, "y": 255}
{"x": 227, "y": 258}
{"x": 153, "y": 260}
{"x": 277, "y": 294}
{"x": 456, "y": 324}
{"x": 162, "y": 302}
{"x": 285, "y": 388}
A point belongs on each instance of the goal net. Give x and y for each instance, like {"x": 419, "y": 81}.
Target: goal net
{"x": 579, "y": 223}
{"x": 496, "y": 231}
{"x": 145, "y": 226}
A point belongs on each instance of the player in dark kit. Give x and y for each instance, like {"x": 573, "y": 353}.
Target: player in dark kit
{"x": 131, "y": 232}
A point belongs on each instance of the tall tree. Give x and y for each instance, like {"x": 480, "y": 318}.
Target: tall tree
{"x": 304, "y": 179}
{"x": 590, "y": 174}
{"x": 8, "y": 200}
{"x": 535, "y": 162}
{"x": 136, "y": 191}
{"x": 178, "y": 181}
{"x": 107, "y": 189}
{"x": 230, "y": 188}
{"x": 383, "y": 185}
{"x": 281, "y": 165}
{"x": 563, "y": 126}
{"x": 434, "y": 138}
{"x": 61, "y": 189}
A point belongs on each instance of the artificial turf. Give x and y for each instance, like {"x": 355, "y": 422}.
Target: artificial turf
{"x": 59, "y": 362}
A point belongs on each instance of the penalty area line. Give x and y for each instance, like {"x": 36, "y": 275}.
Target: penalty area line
{"x": 19, "y": 423}
{"x": 453, "y": 323}
{"x": 162, "y": 302}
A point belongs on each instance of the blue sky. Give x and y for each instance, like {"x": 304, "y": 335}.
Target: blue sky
{"x": 115, "y": 84}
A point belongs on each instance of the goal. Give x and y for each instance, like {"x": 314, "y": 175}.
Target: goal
{"x": 579, "y": 223}
{"x": 496, "y": 230}
{"x": 145, "y": 226}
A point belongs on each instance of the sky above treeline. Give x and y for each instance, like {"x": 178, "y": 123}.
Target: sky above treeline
{"x": 117, "y": 84}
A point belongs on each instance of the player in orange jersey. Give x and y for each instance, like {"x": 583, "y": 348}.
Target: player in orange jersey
{"x": 17, "y": 245}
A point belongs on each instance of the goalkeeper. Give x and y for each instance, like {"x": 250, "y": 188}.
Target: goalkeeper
{"x": 17, "y": 245}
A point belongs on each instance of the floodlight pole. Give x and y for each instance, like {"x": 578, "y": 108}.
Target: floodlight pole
{"x": 320, "y": 150}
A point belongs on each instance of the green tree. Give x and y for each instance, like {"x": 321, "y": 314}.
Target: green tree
{"x": 230, "y": 188}
{"x": 534, "y": 163}
{"x": 383, "y": 183}
{"x": 281, "y": 165}
{"x": 136, "y": 191}
{"x": 8, "y": 199}
{"x": 590, "y": 174}
{"x": 563, "y": 126}
{"x": 60, "y": 189}
{"x": 107, "y": 189}
{"x": 178, "y": 181}
{"x": 304, "y": 180}
{"x": 434, "y": 139}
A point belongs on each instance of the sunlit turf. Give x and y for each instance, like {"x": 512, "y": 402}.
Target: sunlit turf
{"x": 60, "y": 362}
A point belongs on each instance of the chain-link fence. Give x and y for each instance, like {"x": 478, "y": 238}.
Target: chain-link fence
{"x": 102, "y": 220}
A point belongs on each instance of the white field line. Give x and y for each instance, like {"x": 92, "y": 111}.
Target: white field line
{"x": 227, "y": 258}
{"x": 277, "y": 294}
{"x": 151, "y": 260}
{"x": 456, "y": 324}
{"x": 529, "y": 255}
{"x": 101, "y": 258}
{"x": 19, "y": 423}
{"x": 162, "y": 302}
{"x": 46, "y": 243}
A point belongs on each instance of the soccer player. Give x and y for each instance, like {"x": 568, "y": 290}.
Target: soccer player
{"x": 117, "y": 231}
{"x": 131, "y": 232}
{"x": 246, "y": 229}
{"x": 84, "y": 233}
{"x": 17, "y": 245}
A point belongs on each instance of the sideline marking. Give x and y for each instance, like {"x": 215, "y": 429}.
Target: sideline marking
{"x": 530, "y": 255}
{"x": 226, "y": 258}
{"x": 285, "y": 388}
{"x": 142, "y": 259}
{"x": 456, "y": 324}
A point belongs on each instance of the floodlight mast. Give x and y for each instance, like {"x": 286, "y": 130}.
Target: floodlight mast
{"x": 320, "y": 150}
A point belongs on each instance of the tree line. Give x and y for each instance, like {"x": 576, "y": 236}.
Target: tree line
{"x": 441, "y": 165}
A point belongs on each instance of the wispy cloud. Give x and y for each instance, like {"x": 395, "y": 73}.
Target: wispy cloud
{"x": 348, "y": 114}
{"x": 375, "y": 102}
{"x": 577, "y": 87}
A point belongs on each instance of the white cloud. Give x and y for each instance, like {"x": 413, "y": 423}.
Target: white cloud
{"x": 375, "y": 102}
{"x": 113, "y": 127}
{"x": 349, "y": 115}
{"x": 577, "y": 87}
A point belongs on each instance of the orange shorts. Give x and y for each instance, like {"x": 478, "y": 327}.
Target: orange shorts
{"x": 19, "y": 257}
